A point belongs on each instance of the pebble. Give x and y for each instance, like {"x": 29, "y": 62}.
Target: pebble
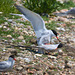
{"x": 33, "y": 40}
{"x": 10, "y": 20}
{"x": 25, "y": 32}
{"x": 9, "y": 36}
{"x": 51, "y": 57}
{"x": 38, "y": 55}
{"x": 1, "y": 12}
{"x": 4, "y": 27}
{"x": 23, "y": 41}
{"x": 71, "y": 54}
{"x": 61, "y": 1}
{"x": 27, "y": 60}
{"x": 6, "y": 23}
{"x": 20, "y": 37}
{"x": 60, "y": 51}
{"x": 70, "y": 64}
{"x": 60, "y": 28}
{"x": 19, "y": 68}
{"x": 0, "y": 26}
{"x": 62, "y": 19}
{"x": 63, "y": 10}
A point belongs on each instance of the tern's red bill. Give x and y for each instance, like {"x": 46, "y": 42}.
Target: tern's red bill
{"x": 56, "y": 37}
{"x": 14, "y": 59}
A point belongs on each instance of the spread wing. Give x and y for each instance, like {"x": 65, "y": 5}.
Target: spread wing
{"x": 35, "y": 19}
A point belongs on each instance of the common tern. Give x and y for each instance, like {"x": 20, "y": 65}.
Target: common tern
{"x": 6, "y": 66}
{"x": 43, "y": 35}
{"x": 69, "y": 12}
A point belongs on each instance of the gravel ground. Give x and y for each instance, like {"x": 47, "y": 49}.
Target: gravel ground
{"x": 28, "y": 61}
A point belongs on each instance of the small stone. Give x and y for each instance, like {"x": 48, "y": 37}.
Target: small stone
{"x": 13, "y": 39}
{"x": 60, "y": 28}
{"x": 33, "y": 41}
{"x": 70, "y": 54}
{"x": 4, "y": 27}
{"x": 9, "y": 36}
{"x": 60, "y": 52}
{"x": 16, "y": 28}
{"x": 10, "y": 20}
{"x": 23, "y": 41}
{"x": 20, "y": 37}
{"x": 52, "y": 67}
{"x": 27, "y": 60}
{"x": 38, "y": 55}
{"x": 25, "y": 32}
{"x": 51, "y": 57}
{"x": 63, "y": 10}
{"x": 31, "y": 72}
{"x": 70, "y": 64}
{"x": 1, "y": 12}
{"x": 0, "y": 26}
{"x": 6, "y": 23}
{"x": 61, "y": 1}
{"x": 63, "y": 19}
{"x": 19, "y": 68}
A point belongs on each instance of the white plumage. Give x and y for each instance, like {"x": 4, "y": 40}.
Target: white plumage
{"x": 43, "y": 35}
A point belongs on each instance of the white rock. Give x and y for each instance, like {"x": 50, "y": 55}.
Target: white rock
{"x": 9, "y": 36}
{"x": 60, "y": 52}
{"x": 52, "y": 57}
{"x": 25, "y": 32}
{"x": 27, "y": 60}
{"x": 62, "y": 19}
{"x": 61, "y": 1}
{"x": 0, "y": 26}
{"x": 10, "y": 20}
{"x": 38, "y": 55}
{"x": 6, "y": 23}
{"x": 4, "y": 27}
{"x": 13, "y": 39}
{"x": 23, "y": 41}
{"x": 19, "y": 68}
{"x": 59, "y": 28}
{"x": 20, "y": 37}
{"x": 31, "y": 32}
{"x": 1, "y": 12}
{"x": 71, "y": 64}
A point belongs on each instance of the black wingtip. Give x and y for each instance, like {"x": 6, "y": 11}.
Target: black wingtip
{"x": 60, "y": 45}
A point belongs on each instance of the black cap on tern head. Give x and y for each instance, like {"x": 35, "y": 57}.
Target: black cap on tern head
{"x": 60, "y": 45}
{"x": 12, "y": 56}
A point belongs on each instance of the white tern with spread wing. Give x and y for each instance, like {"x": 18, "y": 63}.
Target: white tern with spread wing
{"x": 43, "y": 35}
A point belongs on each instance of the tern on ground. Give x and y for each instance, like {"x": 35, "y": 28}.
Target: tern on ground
{"x": 43, "y": 35}
{"x": 6, "y": 66}
{"x": 69, "y": 12}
